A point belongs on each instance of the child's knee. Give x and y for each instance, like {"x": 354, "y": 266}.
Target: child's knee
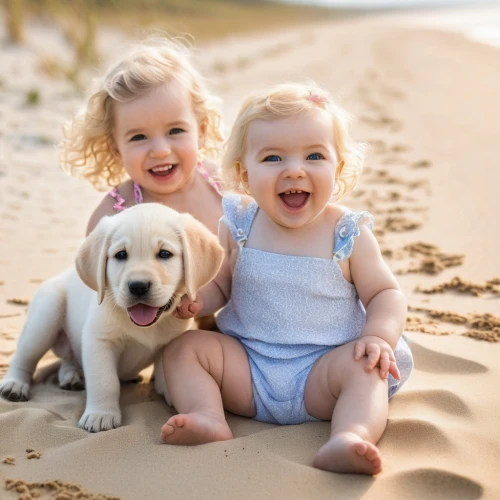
{"x": 181, "y": 347}
{"x": 356, "y": 371}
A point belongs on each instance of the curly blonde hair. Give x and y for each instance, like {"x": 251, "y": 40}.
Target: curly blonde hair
{"x": 86, "y": 149}
{"x": 285, "y": 100}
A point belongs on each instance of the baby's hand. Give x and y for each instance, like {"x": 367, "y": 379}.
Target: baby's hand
{"x": 187, "y": 308}
{"x": 379, "y": 353}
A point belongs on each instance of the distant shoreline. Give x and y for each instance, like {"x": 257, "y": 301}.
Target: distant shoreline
{"x": 480, "y": 24}
{"x": 386, "y": 5}
{"x": 478, "y": 20}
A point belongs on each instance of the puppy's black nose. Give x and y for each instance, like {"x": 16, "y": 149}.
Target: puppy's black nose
{"x": 139, "y": 288}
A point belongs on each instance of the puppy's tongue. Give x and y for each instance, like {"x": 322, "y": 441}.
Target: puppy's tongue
{"x": 142, "y": 314}
{"x": 294, "y": 200}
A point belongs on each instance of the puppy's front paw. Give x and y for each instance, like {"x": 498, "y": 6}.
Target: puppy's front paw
{"x": 97, "y": 422}
{"x": 15, "y": 390}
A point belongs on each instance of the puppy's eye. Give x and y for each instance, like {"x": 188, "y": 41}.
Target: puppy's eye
{"x": 165, "y": 254}
{"x": 121, "y": 255}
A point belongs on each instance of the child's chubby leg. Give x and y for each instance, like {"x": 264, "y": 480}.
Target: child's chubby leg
{"x": 339, "y": 388}
{"x": 205, "y": 372}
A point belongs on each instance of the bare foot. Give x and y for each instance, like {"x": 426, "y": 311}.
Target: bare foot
{"x": 195, "y": 428}
{"x": 348, "y": 452}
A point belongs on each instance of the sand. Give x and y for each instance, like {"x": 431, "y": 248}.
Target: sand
{"x": 427, "y": 103}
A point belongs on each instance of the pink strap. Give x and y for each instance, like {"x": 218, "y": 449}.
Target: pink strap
{"x": 215, "y": 184}
{"x": 119, "y": 206}
{"x": 137, "y": 193}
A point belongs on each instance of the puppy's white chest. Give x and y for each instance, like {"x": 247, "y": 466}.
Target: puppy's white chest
{"x": 133, "y": 359}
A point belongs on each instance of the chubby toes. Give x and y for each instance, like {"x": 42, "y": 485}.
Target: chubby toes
{"x": 349, "y": 453}
{"x": 195, "y": 428}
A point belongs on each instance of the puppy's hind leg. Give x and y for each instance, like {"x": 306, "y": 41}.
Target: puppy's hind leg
{"x": 70, "y": 372}
{"x": 37, "y": 337}
{"x": 71, "y": 376}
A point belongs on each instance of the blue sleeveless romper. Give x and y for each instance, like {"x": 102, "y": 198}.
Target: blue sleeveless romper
{"x": 288, "y": 311}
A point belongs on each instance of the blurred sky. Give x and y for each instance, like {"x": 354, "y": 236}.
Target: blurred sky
{"x": 372, "y": 4}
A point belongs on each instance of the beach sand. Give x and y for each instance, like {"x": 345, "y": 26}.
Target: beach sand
{"x": 427, "y": 103}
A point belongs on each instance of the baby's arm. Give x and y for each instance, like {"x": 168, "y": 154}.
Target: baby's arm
{"x": 106, "y": 207}
{"x": 383, "y": 300}
{"x": 215, "y": 294}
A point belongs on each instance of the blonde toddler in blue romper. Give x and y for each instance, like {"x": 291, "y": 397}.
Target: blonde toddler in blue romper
{"x": 297, "y": 298}
{"x": 311, "y": 318}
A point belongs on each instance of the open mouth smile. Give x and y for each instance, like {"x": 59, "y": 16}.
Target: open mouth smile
{"x": 144, "y": 315}
{"x": 294, "y": 199}
{"x": 163, "y": 172}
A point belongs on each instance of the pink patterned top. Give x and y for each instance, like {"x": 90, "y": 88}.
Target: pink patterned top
{"x": 119, "y": 206}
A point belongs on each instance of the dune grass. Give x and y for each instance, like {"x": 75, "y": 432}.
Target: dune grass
{"x": 203, "y": 19}
{"x": 14, "y": 19}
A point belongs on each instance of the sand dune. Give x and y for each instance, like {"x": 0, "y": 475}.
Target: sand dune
{"x": 427, "y": 102}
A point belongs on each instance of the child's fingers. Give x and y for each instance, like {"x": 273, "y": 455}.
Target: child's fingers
{"x": 359, "y": 350}
{"x": 185, "y": 310}
{"x": 373, "y": 351}
{"x": 193, "y": 308}
{"x": 394, "y": 370}
{"x": 182, "y": 314}
{"x": 385, "y": 365}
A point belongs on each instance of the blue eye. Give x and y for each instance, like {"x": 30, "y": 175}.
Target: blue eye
{"x": 138, "y": 137}
{"x": 315, "y": 156}
{"x": 176, "y": 131}
{"x": 165, "y": 254}
{"x": 272, "y": 158}
{"x": 121, "y": 255}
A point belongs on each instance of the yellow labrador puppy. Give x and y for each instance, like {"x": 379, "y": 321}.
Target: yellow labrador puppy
{"x": 112, "y": 314}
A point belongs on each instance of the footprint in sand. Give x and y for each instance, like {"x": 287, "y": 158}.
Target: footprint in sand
{"x": 430, "y": 361}
{"x": 421, "y": 164}
{"x": 438, "y": 400}
{"x": 425, "y": 325}
{"x": 413, "y": 434}
{"x": 400, "y": 148}
{"x": 371, "y": 105}
{"x": 382, "y": 121}
{"x": 384, "y": 177}
{"x": 425, "y": 258}
{"x": 394, "y": 160}
{"x": 400, "y": 224}
{"x": 378, "y": 146}
{"x": 392, "y": 92}
{"x": 481, "y": 326}
{"x": 459, "y": 285}
{"x": 433, "y": 484}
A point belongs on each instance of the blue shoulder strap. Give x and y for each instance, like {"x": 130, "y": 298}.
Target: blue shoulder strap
{"x": 346, "y": 230}
{"x": 238, "y": 217}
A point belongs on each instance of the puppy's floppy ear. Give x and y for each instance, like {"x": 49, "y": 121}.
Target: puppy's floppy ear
{"x": 92, "y": 257}
{"x": 201, "y": 252}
